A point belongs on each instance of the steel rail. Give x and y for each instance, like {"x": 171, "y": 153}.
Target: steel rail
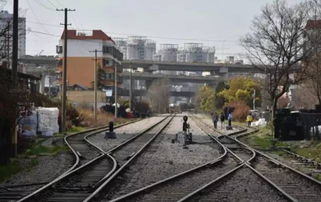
{"x": 211, "y": 183}
{"x": 177, "y": 176}
{"x": 93, "y": 131}
{"x": 118, "y": 171}
{"x": 103, "y": 153}
{"x": 278, "y": 163}
{"x": 242, "y": 133}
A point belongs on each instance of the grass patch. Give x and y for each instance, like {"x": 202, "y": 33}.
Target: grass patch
{"x": 318, "y": 177}
{"x": 39, "y": 149}
{"x": 309, "y": 149}
{"x": 264, "y": 140}
{"x": 6, "y": 171}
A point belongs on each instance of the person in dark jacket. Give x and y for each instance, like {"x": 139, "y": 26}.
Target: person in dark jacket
{"x": 222, "y": 119}
{"x": 214, "y": 119}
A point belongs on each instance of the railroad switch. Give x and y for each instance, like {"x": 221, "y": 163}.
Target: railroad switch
{"x": 185, "y": 137}
{"x": 110, "y": 134}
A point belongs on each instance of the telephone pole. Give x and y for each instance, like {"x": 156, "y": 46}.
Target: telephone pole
{"x": 15, "y": 43}
{"x": 116, "y": 109}
{"x": 131, "y": 88}
{"x": 64, "y": 73}
{"x": 95, "y": 83}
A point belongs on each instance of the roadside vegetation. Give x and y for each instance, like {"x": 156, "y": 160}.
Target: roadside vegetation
{"x": 237, "y": 93}
{"x": 263, "y": 140}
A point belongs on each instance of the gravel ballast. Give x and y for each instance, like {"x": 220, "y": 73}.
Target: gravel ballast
{"x": 46, "y": 169}
{"x": 180, "y": 187}
{"x": 163, "y": 159}
{"x": 123, "y": 133}
{"x": 243, "y": 185}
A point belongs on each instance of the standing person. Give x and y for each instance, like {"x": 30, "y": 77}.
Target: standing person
{"x": 249, "y": 119}
{"x": 229, "y": 118}
{"x": 214, "y": 119}
{"x": 222, "y": 119}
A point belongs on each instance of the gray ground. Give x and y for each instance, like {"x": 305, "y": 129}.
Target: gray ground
{"x": 164, "y": 158}
{"x": 47, "y": 168}
{"x": 244, "y": 185}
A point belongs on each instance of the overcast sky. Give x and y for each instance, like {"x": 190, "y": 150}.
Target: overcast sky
{"x": 218, "y": 23}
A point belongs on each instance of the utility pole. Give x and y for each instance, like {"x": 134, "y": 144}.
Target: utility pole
{"x": 15, "y": 43}
{"x": 254, "y": 96}
{"x": 131, "y": 88}
{"x": 64, "y": 73}
{"x": 116, "y": 109}
{"x": 95, "y": 83}
{"x": 8, "y": 45}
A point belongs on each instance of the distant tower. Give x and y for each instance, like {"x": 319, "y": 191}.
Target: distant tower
{"x": 168, "y": 52}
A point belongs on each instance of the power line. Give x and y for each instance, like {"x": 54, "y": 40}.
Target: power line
{"x": 44, "y": 33}
{"x": 44, "y": 6}
{"x": 36, "y": 17}
{"x": 41, "y": 23}
{"x": 53, "y": 5}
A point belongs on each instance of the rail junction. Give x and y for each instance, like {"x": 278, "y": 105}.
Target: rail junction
{"x": 149, "y": 164}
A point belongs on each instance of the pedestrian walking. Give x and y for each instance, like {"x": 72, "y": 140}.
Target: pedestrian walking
{"x": 229, "y": 119}
{"x": 214, "y": 119}
{"x": 222, "y": 119}
{"x": 249, "y": 119}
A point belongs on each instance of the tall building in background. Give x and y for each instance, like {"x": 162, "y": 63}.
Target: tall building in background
{"x": 121, "y": 43}
{"x": 6, "y": 20}
{"x": 168, "y": 52}
{"x": 196, "y": 53}
{"x": 141, "y": 48}
{"x": 81, "y": 61}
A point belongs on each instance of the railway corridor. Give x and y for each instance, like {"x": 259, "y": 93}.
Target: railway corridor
{"x": 146, "y": 162}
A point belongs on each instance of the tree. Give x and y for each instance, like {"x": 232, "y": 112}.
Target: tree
{"x": 241, "y": 89}
{"x": 158, "y": 96}
{"x": 219, "y": 99}
{"x": 276, "y": 46}
{"x": 205, "y": 98}
{"x": 313, "y": 37}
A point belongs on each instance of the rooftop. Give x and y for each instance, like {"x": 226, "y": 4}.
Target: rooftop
{"x": 94, "y": 35}
{"x": 313, "y": 24}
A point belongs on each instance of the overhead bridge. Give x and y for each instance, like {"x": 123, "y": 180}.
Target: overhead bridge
{"x": 176, "y": 78}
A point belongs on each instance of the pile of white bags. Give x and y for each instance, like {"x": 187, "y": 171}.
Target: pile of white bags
{"x": 29, "y": 124}
{"x": 260, "y": 122}
{"x": 48, "y": 121}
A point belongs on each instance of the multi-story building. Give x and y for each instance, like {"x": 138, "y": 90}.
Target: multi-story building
{"x": 121, "y": 43}
{"x": 196, "y": 53}
{"x": 168, "y": 52}
{"x": 81, "y": 59}
{"x": 6, "y": 21}
{"x": 313, "y": 37}
{"x": 136, "y": 48}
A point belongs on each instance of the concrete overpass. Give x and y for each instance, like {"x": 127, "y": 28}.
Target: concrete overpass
{"x": 175, "y": 78}
{"x": 137, "y": 93}
{"x": 150, "y": 66}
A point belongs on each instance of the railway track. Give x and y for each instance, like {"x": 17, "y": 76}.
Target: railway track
{"x": 175, "y": 187}
{"x": 242, "y": 152}
{"x": 82, "y": 150}
{"x": 77, "y": 184}
{"x": 128, "y": 153}
{"x": 238, "y": 184}
{"x": 293, "y": 183}
{"x": 224, "y": 187}
{"x": 296, "y": 184}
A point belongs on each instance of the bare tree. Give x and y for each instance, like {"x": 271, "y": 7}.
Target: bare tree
{"x": 277, "y": 46}
{"x": 158, "y": 96}
{"x": 313, "y": 41}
